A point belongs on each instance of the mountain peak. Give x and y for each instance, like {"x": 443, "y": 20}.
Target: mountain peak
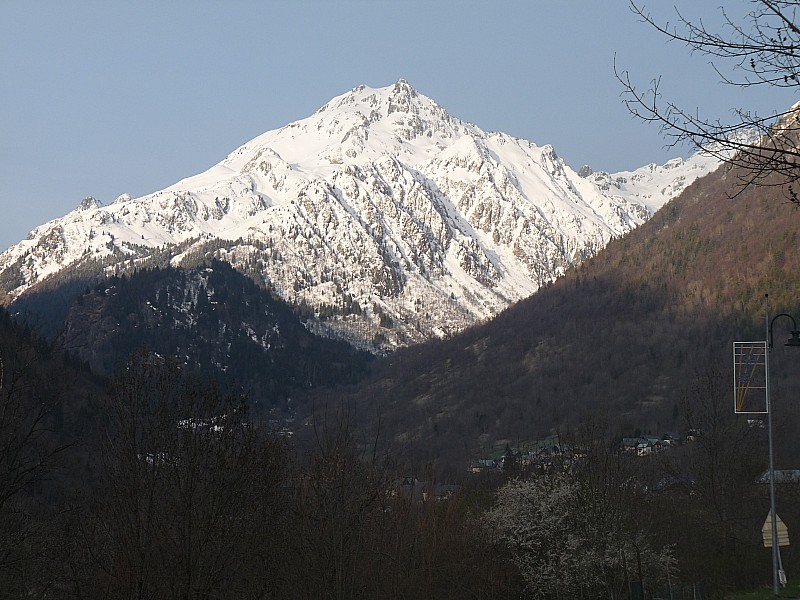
{"x": 89, "y": 203}
{"x": 376, "y": 104}
{"x": 357, "y": 127}
{"x": 400, "y": 92}
{"x": 384, "y": 217}
{"x": 401, "y": 98}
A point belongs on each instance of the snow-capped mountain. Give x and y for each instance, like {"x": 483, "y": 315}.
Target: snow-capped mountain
{"x": 382, "y": 215}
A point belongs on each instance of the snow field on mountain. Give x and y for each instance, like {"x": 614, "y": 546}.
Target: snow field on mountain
{"x": 380, "y": 211}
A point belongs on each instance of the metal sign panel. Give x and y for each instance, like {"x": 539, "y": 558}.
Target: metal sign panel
{"x": 766, "y": 531}
{"x": 750, "y": 377}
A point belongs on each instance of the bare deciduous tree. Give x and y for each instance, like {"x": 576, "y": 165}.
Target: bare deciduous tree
{"x": 761, "y": 50}
{"x": 191, "y": 497}
{"x": 29, "y": 454}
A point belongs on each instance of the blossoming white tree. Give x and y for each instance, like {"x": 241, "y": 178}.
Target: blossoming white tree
{"x": 564, "y": 547}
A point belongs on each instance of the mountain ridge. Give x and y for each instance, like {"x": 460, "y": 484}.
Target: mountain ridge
{"x": 379, "y": 198}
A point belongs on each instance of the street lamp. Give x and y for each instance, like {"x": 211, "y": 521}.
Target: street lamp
{"x": 794, "y": 341}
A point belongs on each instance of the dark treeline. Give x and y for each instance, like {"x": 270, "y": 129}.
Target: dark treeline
{"x": 156, "y": 485}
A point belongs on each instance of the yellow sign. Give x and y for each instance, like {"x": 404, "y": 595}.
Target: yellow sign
{"x": 766, "y": 531}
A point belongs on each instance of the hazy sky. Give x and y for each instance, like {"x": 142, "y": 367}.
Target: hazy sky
{"x": 101, "y": 98}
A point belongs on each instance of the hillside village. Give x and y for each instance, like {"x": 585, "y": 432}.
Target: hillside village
{"x": 548, "y": 451}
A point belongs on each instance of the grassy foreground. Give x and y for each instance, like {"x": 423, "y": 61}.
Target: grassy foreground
{"x": 792, "y": 590}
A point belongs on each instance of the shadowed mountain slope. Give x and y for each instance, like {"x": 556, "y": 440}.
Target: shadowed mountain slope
{"x": 213, "y": 320}
{"x": 622, "y": 336}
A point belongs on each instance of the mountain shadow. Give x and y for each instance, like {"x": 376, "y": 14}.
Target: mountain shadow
{"x": 620, "y": 338}
{"x": 214, "y": 320}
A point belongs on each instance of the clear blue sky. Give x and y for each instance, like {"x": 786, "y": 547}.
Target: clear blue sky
{"x": 106, "y": 97}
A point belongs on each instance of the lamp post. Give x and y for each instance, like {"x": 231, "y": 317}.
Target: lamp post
{"x": 794, "y": 341}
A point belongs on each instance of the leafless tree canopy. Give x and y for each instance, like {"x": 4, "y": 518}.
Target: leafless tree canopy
{"x": 761, "y": 50}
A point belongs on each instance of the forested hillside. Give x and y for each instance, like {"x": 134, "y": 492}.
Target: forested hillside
{"x": 155, "y": 484}
{"x": 214, "y": 320}
{"x": 623, "y": 336}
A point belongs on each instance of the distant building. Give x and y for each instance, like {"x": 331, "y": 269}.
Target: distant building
{"x": 422, "y": 491}
{"x": 483, "y": 465}
{"x": 781, "y": 476}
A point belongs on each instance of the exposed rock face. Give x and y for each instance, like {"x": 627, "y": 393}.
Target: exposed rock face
{"x": 387, "y": 218}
